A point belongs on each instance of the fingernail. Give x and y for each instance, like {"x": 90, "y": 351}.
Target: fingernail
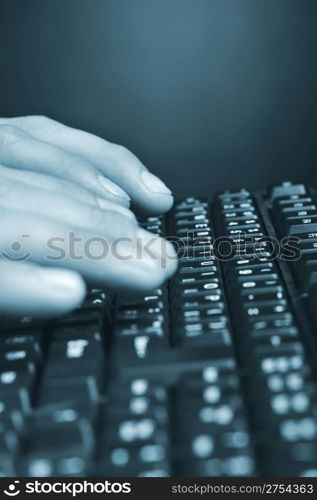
{"x": 60, "y": 279}
{"x": 112, "y": 188}
{"x": 154, "y": 184}
{"x": 113, "y": 207}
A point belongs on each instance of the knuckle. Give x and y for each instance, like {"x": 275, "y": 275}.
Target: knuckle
{"x": 37, "y": 119}
{"x": 41, "y": 120}
{"x": 124, "y": 161}
{"x": 33, "y": 122}
{"x": 118, "y": 150}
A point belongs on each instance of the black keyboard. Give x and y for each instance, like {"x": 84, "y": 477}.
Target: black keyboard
{"x": 213, "y": 374}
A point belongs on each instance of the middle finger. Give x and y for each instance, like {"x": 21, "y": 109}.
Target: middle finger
{"x": 117, "y": 220}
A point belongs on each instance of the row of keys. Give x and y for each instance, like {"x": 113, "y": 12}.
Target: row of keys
{"x": 135, "y": 440}
{"x": 278, "y": 381}
{"x": 212, "y": 434}
{"x": 141, "y": 327}
{"x": 199, "y": 314}
{"x": 296, "y": 215}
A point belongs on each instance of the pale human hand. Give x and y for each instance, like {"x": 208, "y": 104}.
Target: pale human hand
{"x": 56, "y": 181}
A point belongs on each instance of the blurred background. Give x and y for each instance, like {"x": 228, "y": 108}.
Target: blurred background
{"x": 210, "y": 94}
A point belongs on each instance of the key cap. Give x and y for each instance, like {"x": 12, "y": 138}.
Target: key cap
{"x": 73, "y": 332}
{"x": 146, "y": 461}
{"x": 22, "y": 339}
{"x": 15, "y": 398}
{"x": 311, "y": 301}
{"x": 139, "y": 350}
{"x": 74, "y": 359}
{"x": 57, "y": 448}
{"x": 286, "y": 189}
{"x": 79, "y": 396}
{"x": 141, "y": 326}
{"x": 305, "y": 271}
{"x": 29, "y": 353}
{"x": 23, "y": 322}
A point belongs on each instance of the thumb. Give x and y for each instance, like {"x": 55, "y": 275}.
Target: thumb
{"x": 28, "y": 289}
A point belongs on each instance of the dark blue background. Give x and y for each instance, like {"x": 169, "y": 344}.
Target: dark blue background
{"x": 209, "y": 93}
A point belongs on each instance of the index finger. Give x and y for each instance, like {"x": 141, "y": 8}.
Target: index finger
{"x": 116, "y": 162}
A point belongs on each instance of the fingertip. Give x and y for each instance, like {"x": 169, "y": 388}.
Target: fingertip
{"x": 163, "y": 203}
{"x": 37, "y": 291}
{"x": 158, "y": 197}
{"x": 160, "y": 253}
{"x": 155, "y": 204}
{"x": 154, "y": 184}
{"x": 66, "y": 287}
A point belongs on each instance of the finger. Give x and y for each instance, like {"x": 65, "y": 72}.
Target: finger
{"x": 115, "y": 222}
{"x": 28, "y": 289}
{"x": 121, "y": 264}
{"x": 56, "y": 185}
{"x": 21, "y": 150}
{"x": 116, "y": 162}
{"x": 160, "y": 248}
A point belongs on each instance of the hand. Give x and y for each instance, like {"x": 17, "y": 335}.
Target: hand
{"x": 58, "y": 184}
